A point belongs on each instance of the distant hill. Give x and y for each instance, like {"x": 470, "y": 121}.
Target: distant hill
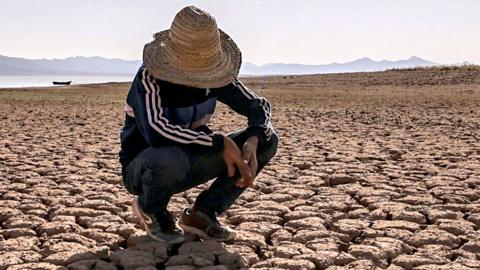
{"x": 359, "y": 65}
{"x": 109, "y": 67}
{"x": 69, "y": 66}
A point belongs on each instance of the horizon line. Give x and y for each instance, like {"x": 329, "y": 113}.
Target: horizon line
{"x": 256, "y": 64}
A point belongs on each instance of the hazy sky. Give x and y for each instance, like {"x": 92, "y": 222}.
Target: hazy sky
{"x": 302, "y": 31}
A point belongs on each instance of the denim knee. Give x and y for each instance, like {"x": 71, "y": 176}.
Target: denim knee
{"x": 164, "y": 166}
{"x": 132, "y": 185}
{"x": 270, "y": 148}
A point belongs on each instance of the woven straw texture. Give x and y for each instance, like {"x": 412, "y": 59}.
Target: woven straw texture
{"x": 193, "y": 52}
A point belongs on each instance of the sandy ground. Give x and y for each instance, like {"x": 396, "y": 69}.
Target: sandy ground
{"x": 374, "y": 171}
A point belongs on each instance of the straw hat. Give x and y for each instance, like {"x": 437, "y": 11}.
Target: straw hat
{"x": 193, "y": 52}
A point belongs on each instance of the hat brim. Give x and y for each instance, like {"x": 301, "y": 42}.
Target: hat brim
{"x": 217, "y": 75}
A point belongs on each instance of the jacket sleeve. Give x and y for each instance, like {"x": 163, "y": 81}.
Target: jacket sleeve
{"x": 245, "y": 102}
{"x": 145, "y": 99}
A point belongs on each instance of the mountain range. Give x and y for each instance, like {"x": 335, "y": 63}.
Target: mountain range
{"x": 69, "y": 66}
{"x": 360, "y": 65}
{"x": 100, "y": 66}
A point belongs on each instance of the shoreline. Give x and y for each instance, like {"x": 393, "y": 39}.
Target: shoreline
{"x": 442, "y": 75}
{"x": 65, "y": 87}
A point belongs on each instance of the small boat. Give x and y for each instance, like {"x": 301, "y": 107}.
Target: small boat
{"x": 62, "y": 83}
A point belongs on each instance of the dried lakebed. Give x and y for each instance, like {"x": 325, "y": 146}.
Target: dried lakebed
{"x": 380, "y": 176}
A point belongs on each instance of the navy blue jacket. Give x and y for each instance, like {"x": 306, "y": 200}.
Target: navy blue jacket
{"x": 160, "y": 113}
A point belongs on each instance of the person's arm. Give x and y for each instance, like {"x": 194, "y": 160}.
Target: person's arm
{"x": 145, "y": 99}
{"x": 245, "y": 102}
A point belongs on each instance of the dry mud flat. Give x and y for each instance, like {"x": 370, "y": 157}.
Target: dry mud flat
{"x": 374, "y": 171}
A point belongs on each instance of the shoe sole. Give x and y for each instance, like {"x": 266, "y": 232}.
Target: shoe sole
{"x": 203, "y": 235}
{"x": 145, "y": 220}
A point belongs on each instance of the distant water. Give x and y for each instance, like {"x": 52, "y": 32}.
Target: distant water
{"x": 42, "y": 81}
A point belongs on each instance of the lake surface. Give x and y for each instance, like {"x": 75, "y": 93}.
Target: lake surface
{"x": 42, "y": 81}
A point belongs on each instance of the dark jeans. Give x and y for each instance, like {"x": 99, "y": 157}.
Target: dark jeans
{"x": 159, "y": 172}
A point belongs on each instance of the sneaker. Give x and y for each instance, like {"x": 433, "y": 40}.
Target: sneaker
{"x": 159, "y": 229}
{"x": 204, "y": 226}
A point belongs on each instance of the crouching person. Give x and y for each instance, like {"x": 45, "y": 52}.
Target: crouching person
{"x": 166, "y": 145}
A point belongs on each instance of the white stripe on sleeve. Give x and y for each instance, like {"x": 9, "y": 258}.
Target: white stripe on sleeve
{"x": 265, "y": 106}
{"x": 161, "y": 124}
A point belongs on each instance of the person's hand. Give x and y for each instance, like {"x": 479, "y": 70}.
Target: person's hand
{"x": 249, "y": 155}
{"x": 233, "y": 159}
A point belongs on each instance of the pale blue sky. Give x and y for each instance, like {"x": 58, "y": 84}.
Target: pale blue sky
{"x": 301, "y": 31}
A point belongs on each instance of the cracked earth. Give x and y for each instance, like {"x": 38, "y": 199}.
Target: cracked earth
{"x": 374, "y": 171}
